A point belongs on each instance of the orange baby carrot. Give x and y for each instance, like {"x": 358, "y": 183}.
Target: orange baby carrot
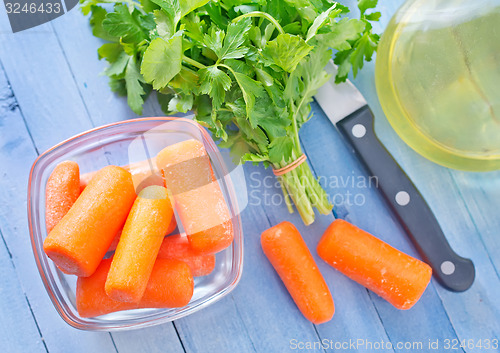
{"x": 79, "y": 241}
{"x": 172, "y": 226}
{"x": 398, "y": 278}
{"x": 139, "y": 243}
{"x": 170, "y": 285}
{"x": 114, "y": 243}
{"x": 144, "y": 174}
{"x": 61, "y": 192}
{"x": 292, "y": 260}
{"x": 116, "y": 239}
{"x": 178, "y": 247}
{"x": 197, "y": 196}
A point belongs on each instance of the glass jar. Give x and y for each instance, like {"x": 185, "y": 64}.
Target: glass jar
{"x": 438, "y": 80}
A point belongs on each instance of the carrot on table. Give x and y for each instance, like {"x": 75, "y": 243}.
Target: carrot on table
{"x": 178, "y": 247}
{"x": 79, "y": 241}
{"x": 197, "y": 196}
{"x": 170, "y": 285}
{"x": 398, "y": 278}
{"x": 292, "y": 260}
{"x": 61, "y": 192}
{"x": 139, "y": 244}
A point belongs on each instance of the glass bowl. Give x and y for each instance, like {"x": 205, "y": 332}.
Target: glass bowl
{"x": 121, "y": 144}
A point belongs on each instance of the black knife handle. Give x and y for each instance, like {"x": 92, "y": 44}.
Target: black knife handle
{"x": 452, "y": 271}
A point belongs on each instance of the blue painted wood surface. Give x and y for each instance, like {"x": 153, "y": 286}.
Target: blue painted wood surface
{"x": 50, "y": 89}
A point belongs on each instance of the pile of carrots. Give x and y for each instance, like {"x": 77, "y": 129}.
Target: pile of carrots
{"x": 129, "y": 211}
{"x": 395, "y": 276}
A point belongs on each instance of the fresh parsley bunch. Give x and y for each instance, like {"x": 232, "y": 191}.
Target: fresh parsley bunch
{"x": 247, "y": 68}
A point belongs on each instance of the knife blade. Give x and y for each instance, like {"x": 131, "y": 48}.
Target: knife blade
{"x": 347, "y": 109}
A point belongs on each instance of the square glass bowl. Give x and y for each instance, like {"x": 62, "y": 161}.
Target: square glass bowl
{"x": 121, "y": 144}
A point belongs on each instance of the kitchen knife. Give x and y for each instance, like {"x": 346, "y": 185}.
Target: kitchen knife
{"x": 347, "y": 109}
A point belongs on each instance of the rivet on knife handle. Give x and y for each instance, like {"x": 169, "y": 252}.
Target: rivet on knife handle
{"x": 451, "y": 270}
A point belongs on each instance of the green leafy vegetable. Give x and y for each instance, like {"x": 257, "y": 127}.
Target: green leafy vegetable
{"x": 162, "y": 61}
{"x": 247, "y": 68}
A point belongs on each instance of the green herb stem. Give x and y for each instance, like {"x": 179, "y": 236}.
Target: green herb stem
{"x": 193, "y": 62}
{"x": 263, "y": 15}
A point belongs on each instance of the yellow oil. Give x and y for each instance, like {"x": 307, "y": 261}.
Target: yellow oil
{"x": 438, "y": 80}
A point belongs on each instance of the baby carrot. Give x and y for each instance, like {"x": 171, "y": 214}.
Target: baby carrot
{"x": 170, "y": 285}
{"x": 171, "y": 226}
{"x": 79, "y": 241}
{"x": 292, "y": 260}
{"x": 144, "y": 174}
{"x": 178, "y": 247}
{"x": 398, "y": 278}
{"x": 61, "y": 192}
{"x": 197, "y": 196}
{"x": 139, "y": 243}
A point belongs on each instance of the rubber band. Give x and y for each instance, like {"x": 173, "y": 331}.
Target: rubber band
{"x": 291, "y": 166}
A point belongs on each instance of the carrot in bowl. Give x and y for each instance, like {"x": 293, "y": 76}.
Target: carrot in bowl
{"x": 61, "y": 192}
{"x": 139, "y": 244}
{"x": 398, "y": 278}
{"x": 197, "y": 196}
{"x": 178, "y": 247}
{"x": 292, "y": 260}
{"x": 79, "y": 241}
{"x": 170, "y": 285}
{"x": 144, "y": 174}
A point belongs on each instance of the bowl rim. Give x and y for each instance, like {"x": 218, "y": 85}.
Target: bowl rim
{"x": 157, "y": 319}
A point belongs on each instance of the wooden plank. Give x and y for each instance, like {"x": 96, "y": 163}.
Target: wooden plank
{"x": 102, "y": 104}
{"x": 18, "y": 153}
{"x": 481, "y": 195}
{"x": 17, "y": 324}
{"x": 162, "y": 338}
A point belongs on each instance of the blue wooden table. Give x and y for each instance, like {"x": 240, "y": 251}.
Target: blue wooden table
{"x": 50, "y": 89}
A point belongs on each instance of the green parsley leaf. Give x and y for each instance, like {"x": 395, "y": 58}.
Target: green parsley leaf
{"x": 190, "y": 5}
{"x": 250, "y": 88}
{"x": 375, "y": 16}
{"x": 286, "y": 51}
{"x": 363, "y": 50}
{"x": 173, "y": 10}
{"x": 162, "y": 61}
{"x": 364, "y": 5}
{"x": 149, "y": 6}
{"x": 343, "y": 32}
{"x": 186, "y": 81}
{"x": 280, "y": 149}
{"x": 135, "y": 91}
{"x": 318, "y": 22}
{"x": 235, "y": 37}
{"x": 181, "y": 103}
{"x": 124, "y": 24}
{"x": 110, "y": 52}
{"x": 118, "y": 86}
{"x": 214, "y": 40}
{"x": 117, "y": 68}
{"x": 96, "y": 19}
{"x": 215, "y": 83}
